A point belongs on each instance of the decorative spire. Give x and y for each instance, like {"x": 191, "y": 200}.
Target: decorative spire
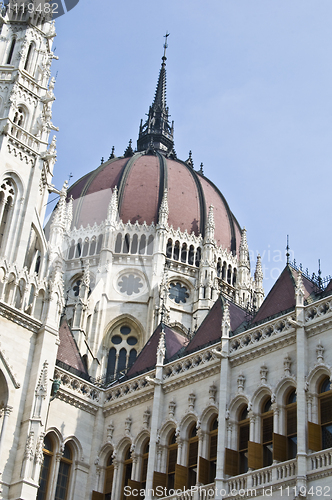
{"x": 60, "y": 214}
{"x": 163, "y": 211}
{"x": 69, "y": 216}
{"x": 189, "y": 161}
{"x": 161, "y": 351}
{"x": 299, "y": 290}
{"x": 209, "y": 227}
{"x": 201, "y": 171}
{"x": 226, "y": 320}
{"x": 259, "y": 270}
{"x": 112, "y": 155}
{"x": 244, "y": 250}
{"x": 287, "y": 250}
{"x": 86, "y": 276}
{"x": 157, "y": 127}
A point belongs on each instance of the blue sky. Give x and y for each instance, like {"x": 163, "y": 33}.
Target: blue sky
{"x": 249, "y": 87}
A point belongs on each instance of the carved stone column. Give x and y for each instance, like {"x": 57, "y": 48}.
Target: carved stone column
{"x": 5, "y": 414}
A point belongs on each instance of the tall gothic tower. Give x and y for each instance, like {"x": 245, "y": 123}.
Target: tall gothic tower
{"x": 30, "y": 275}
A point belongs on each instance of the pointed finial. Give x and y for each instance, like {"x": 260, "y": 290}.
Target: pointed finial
{"x": 226, "y": 320}
{"x": 287, "y": 248}
{"x": 201, "y": 171}
{"x": 102, "y": 160}
{"x": 165, "y": 47}
{"x": 319, "y": 275}
{"x": 161, "y": 350}
{"x": 211, "y": 223}
{"x": 129, "y": 151}
{"x": 164, "y": 210}
{"x": 259, "y": 270}
{"x": 190, "y": 160}
{"x": 112, "y": 155}
{"x": 113, "y": 206}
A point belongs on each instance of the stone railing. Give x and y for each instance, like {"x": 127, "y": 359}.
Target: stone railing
{"x": 24, "y": 137}
{"x": 78, "y": 386}
{"x": 277, "y": 473}
{"x": 130, "y": 387}
{"x": 318, "y": 309}
{"x": 261, "y": 333}
{"x": 320, "y": 460}
{"x": 190, "y": 362}
{"x": 6, "y": 73}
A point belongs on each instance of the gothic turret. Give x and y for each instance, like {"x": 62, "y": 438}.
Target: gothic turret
{"x": 156, "y": 133}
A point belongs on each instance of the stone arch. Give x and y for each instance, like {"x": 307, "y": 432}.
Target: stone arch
{"x": 121, "y": 319}
{"x": 140, "y": 440}
{"x": 209, "y": 413}
{"x": 282, "y": 388}
{"x": 57, "y": 437}
{"x": 186, "y": 422}
{"x": 104, "y": 452}
{"x": 258, "y": 397}
{"x": 10, "y": 288}
{"x": 315, "y": 376}
{"x": 121, "y": 446}
{"x": 76, "y": 446}
{"x": 235, "y": 405}
{"x": 167, "y": 428}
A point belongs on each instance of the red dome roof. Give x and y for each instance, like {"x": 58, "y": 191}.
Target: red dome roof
{"x": 141, "y": 181}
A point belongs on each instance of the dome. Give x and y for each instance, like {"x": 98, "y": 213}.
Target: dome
{"x": 141, "y": 180}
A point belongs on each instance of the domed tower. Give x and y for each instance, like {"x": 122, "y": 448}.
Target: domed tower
{"x": 159, "y": 242}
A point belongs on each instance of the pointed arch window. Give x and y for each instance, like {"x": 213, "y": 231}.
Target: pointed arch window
{"x": 325, "y": 407}
{"x": 243, "y": 440}
{"x": 291, "y": 425}
{"x": 169, "y": 249}
{"x": 109, "y": 474}
{"x": 7, "y": 201}
{"x": 127, "y": 469}
{"x": 213, "y": 444}
{"x": 61, "y": 491}
{"x": 44, "y": 479}
{"x": 11, "y": 51}
{"x": 145, "y": 459}
{"x": 172, "y": 453}
{"x": 192, "y": 455}
{"x": 267, "y": 433}
{"x": 28, "y": 61}
{"x": 118, "y": 243}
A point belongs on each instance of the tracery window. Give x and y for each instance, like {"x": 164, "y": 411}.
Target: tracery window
{"x": 172, "y": 452}
{"x": 178, "y": 293}
{"x": 44, "y": 480}
{"x": 62, "y": 485}
{"x": 243, "y": 439}
{"x": 192, "y": 456}
{"x": 11, "y": 51}
{"x": 267, "y": 433}
{"x": 291, "y": 424}
{"x": 19, "y": 117}
{"x": 123, "y": 351}
{"x": 7, "y": 201}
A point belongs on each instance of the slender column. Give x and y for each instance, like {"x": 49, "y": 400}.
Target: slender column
{"x": 6, "y": 413}
{"x": 115, "y": 478}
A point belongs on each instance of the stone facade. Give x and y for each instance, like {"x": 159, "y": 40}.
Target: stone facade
{"x": 136, "y": 356}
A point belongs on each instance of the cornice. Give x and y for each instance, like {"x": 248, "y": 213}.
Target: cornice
{"x": 124, "y": 405}
{"x": 74, "y": 400}
{"x": 184, "y": 380}
{"x": 19, "y": 317}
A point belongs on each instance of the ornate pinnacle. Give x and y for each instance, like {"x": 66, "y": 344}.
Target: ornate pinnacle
{"x": 86, "y": 276}
{"x": 226, "y": 320}
{"x": 113, "y": 206}
{"x": 259, "y": 270}
{"x": 60, "y": 215}
{"x": 69, "y": 216}
{"x": 161, "y": 351}
{"x": 164, "y": 210}
{"x": 244, "y": 250}
{"x": 210, "y": 222}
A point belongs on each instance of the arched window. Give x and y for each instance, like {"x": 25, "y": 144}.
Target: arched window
{"x": 176, "y": 251}
{"x": 78, "y": 249}
{"x": 229, "y": 274}
{"x": 191, "y": 255}
{"x": 44, "y": 479}
{"x": 142, "y": 245}
{"x": 150, "y": 245}
{"x": 127, "y": 468}
{"x": 169, "y": 249}
{"x": 223, "y": 271}
{"x": 198, "y": 257}
{"x": 100, "y": 243}
{"x": 92, "y": 246}
{"x": 134, "y": 244}
{"x": 71, "y": 250}
{"x": 234, "y": 276}
{"x": 243, "y": 439}
{"x": 132, "y": 357}
{"x": 172, "y": 453}
{"x": 192, "y": 455}
{"x": 109, "y": 473}
{"x": 213, "y": 443}
{"x": 7, "y": 201}
{"x": 267, "y": 432}
{"x": 11, "y": 51}
{"x": 184, "y": 253}
{"x": 111, "y": 365}
{"x": 122, "y": 360}
{"x": 85, "y": 247}
{"x": 219, "y": 267}
{"x": 28, "y": 61}
{"x": 325, "y": 405}
{"x": 118, "y": 243}
{"x": 19, "y": 117}
{"x": 64, "y": 474}
{"x": 126, "y": 244}
{"x": 145, "y": 458}
{"x": 291, "y": 424}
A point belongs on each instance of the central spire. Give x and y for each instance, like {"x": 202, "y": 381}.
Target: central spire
{"x": 156, "y": 133}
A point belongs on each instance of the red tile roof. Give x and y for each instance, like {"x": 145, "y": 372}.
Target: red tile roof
{"x": 148, "y": 356}
{"x": 68, "y": 352}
